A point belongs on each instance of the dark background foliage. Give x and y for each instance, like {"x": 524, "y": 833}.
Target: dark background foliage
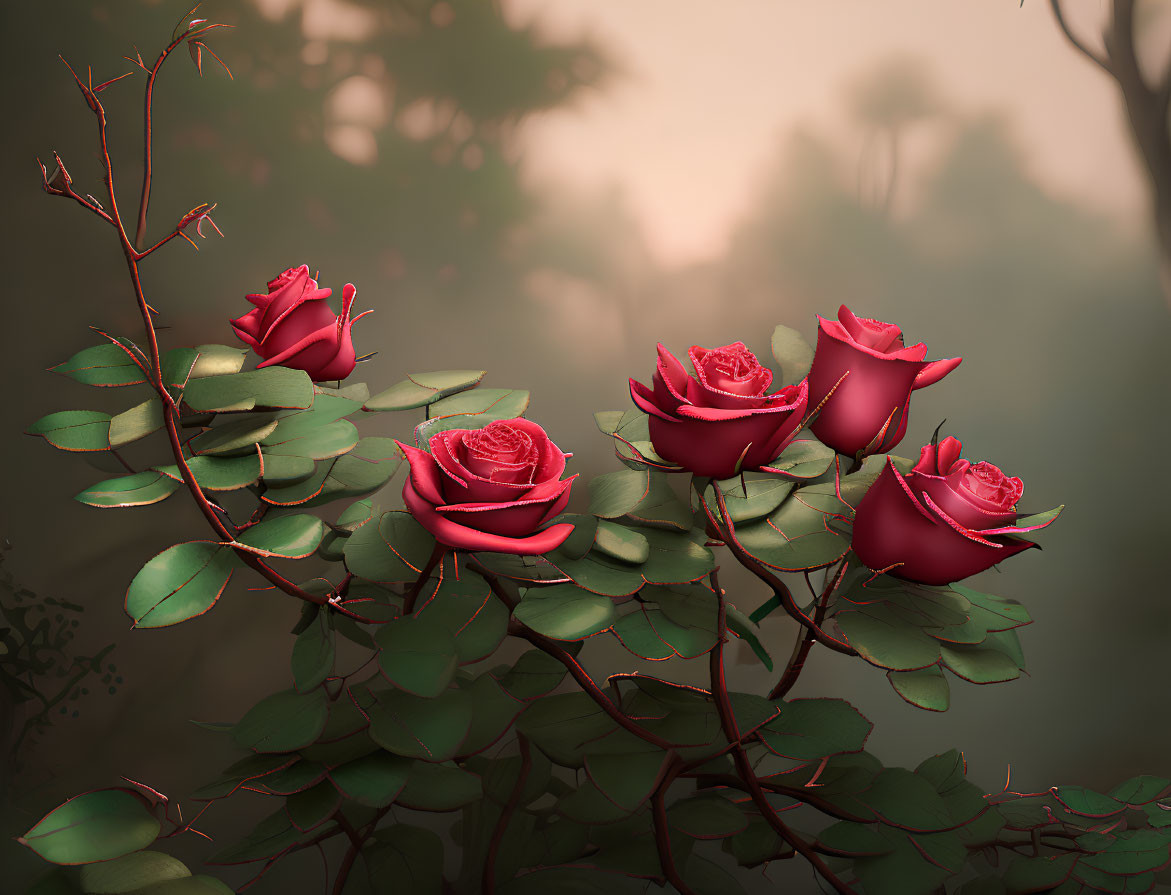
{"x": 1056, "y": 310}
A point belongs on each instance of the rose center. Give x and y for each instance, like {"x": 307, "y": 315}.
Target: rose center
{"x": 735, "y": 369}
{"x": 988, "y": 483}
{"x": 500, "y": 453}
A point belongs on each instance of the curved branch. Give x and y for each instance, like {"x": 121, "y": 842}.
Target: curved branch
{"x": 1059, "y": 14}
{"x": 663, "y": 834}
{"x": 488, "y": 879}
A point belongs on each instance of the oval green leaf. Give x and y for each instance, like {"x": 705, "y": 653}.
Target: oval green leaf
{"x": 565, "y": 612}
{"x": 137, "y": 490}
{"x": 283, "y": 722}
{"x": 182, "y": 582}
{"x": 294, "y": 537}
{"x": 94, "y": 826}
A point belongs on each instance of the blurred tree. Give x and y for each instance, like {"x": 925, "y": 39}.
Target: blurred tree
{"x": 1146, "y": 99}
{"x": 893, "y": 95}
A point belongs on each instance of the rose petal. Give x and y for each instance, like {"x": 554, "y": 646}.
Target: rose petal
{"x": 644, "y": 399}
{"x": 424, "y": 473}
{"x": 461, "y": 537}
{"x": 934, "y": 371}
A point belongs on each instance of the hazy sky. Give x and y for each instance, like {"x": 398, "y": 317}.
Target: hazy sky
{"x": 709, "y": 90}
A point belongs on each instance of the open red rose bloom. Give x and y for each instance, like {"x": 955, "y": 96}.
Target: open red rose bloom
{"x": 293, "y": 325}
{"x": 947, "y": 519}
{"x": 720, "y": 421}
{"x": 867, "y": 411}
{"x": 491, "y": 488}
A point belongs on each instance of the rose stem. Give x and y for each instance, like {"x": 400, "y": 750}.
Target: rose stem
{"x": 663, "y": 832}
{"x": 778, "y": 586}
{"x": 488, "y": 880}
{"x": 171, "y": 410}
{"x": 437, "y": 554}
{"x": 743, "y": 767}
{"x": 802, "y": 646}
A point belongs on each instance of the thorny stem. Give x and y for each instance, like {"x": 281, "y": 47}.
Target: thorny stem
{"x": 778, "y": 586}
{"x": 488, "y": 880}
{"x": 805, "y": 643}
{"x": 170, "y": 408}
{"x": 437, "y": 554}
{"x": 147, "y": 162}
{"x": 743, "y": 766}
{"x": 663, "y": 833}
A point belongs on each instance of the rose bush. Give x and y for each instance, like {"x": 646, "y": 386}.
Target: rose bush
{"x": 867, "y": 411}
{"x": 720, "y": 421}
{"x": 945, "y": 520}
{"x": 491, "y": 488}
{"x": 293, "y": 325}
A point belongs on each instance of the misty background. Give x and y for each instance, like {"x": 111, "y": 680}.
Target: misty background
{"x": 544, "y": 190}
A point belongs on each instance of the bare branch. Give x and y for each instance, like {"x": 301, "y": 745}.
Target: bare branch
{"x": 1059, "y": 14}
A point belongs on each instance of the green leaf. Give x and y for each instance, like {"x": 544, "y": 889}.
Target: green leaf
{"x": 587, "y": 805}
{"x": 754, "y": 845}
{"x": 804, "y": 459}
{"x": 233, "y": 436}
{"x": 421, "y": 389}
{"x": 562, "y": 723}
{"x": 439, "y": 787}
{"x": 621, "y": 543}
{"x": 310, "y": 808}
{"x": 281, "y": 472}
{"x": 1141, "y": 790}
{"x": 855, "y": 839}
{"x": 283, "y": 722}
{"x": 1087, "y": 803}
{"x": 180, "y": 583}
{"x": 635, "y": 632}
{"x": 131, "y": 872}
{"x": 902, "y": 798}
{"x": 792, "y": 354}
{"x": 617, "y": 493}
{"x": 565, "y": 612}
{"x": 627, "y": 780}
{"x": 269, "y": 837}
{"x": 471, "y": 613}
{"x": 396, "y": 549}
{"x": 362, "y": 471}
{"x": 294, "y": 536}
{"x": 795, "y": 537}
{"x": 980, "y": 666}
{"x": 216, "y": 360}
{"x": 410, "y": 856}
{"x": 268, "y": 387}
{"x": 925, "y": 688}
{"x": 494, "y": 710}
{"x": 74, "y": 430}
{"x": 676, "y": 558}
{"x": 417, "y": 655}
{"x": 598, "y": 573}
{"x": 687, "y": 620}
{"x": 887, "y": 641}
{"x": 219, "y": 473}
{"x": 136, "y": 423}
{"x": 249, "y": 768}
{"x": 374, "y": 779}
{"x": 313, "y": 653}
{"x": 322, "y": 443}
{"x": 102, "y": 365}
{"x": 94, "y": 826}
{"x": 191, "y": 885}
{"x": 486, "y": 403}
{"x": 136, "y": 490}
{"x": 740, "y": 625}
{"x": 534, "y": 674}
{"x": 430, "y": 729}
{"x": 903, "y": 871}
{"x": 295, "y": 778}
{"x": 809, "y": 729}
{"x": 707, "y": 817}
{"x": 753, "y": 499}
{"x": 1025, "y": 875}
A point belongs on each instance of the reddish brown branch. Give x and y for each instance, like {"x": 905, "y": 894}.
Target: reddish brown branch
{"x": 801, "y": 649}
{"x": 744, "y": 767}
{"x": 488, "y": 880}
{"x": 663, "y": 834}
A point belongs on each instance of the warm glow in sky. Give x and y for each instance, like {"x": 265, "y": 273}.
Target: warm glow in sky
{"x": 709, "y": 90}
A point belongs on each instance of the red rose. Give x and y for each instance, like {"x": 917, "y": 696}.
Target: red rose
{"x": 868, "y": 410}
{"x": 490, "y": 489}
{"x": 945, "y": 520}
{"x": 293, "y": 326}
{"x": 720, "y": 421}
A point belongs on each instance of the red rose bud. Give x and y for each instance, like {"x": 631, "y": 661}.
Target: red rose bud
{"x": 490, "y": 489}
{"x": 294, "y": 326}
{"x": 867, "y": 413}
{"x": 719, "y": 422}
{"x": 945, "y": 520}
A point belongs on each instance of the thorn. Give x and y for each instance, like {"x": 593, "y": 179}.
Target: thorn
{"x": 935, "y": 434}
{"x": 106, "y": 84}
{"x": 193, "y": 47}
{"x": 189, "y": 239}
{"x": 95, "y": 201}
